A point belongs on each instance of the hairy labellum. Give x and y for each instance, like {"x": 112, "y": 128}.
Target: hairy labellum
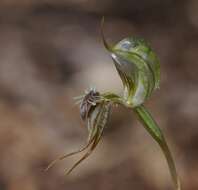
{"x": 89, "y": 101}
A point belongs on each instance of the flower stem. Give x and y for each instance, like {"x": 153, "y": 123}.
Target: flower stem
{"x": 152, "y": 127}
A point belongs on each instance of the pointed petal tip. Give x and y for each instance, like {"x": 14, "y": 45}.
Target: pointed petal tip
{"x": 105, "y": 43}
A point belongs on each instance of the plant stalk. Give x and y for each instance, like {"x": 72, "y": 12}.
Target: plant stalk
{"x": 152, "y": 127}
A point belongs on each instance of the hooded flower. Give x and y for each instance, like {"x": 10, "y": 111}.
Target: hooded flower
{"x": 138, "y": 68}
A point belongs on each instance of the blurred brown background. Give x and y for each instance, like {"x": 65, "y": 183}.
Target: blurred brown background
{"x": 51, "y": 51}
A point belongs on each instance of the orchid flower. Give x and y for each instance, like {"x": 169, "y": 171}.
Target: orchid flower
{"x": 139, "y": 69}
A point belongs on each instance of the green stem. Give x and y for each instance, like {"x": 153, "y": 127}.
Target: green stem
{"x": 152, "y": 127}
